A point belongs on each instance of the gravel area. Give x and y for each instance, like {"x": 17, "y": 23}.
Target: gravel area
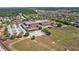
{"x": 37, "y": 33}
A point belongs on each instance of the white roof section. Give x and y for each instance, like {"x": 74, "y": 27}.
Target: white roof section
{"x": 36, "y": 21}
{"x": 10, "y": 30}
{"x": 15, "y": 29}
{"x": 21, "y": 28}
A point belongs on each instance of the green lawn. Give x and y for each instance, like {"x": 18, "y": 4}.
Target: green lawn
{"x": 68, "y": 37}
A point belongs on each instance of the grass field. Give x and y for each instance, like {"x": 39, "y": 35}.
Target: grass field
{"x": 42, "y": 43}
{"x": 29, "y": 45}
{"x": 68, "y": 37}
{"x": 60, "y": 39}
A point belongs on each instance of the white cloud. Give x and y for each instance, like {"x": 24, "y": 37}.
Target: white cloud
{"x": 39, "y": 3}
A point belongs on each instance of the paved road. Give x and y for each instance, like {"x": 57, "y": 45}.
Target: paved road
{"x": 2, "y": 48}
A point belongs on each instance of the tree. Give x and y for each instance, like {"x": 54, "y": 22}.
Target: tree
{"x": 13, "y": 37}
{"x": 40, "y": 27}
{"x": 26, "y": 34}
{"x": 7, "y": 35}
{"x": 33, "y": 37}
{"x": 5, "y": 31}
{"x": 59, "y": 25}
{"x": 46, "y": 31}
{"x": 1, "y": 25}
{"x": 19, "y": 35}
{"x": 3, "y": 38}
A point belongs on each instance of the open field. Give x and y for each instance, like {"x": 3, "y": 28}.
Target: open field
{"x": 60, "y": 39}
{"x": 68, "y": 37}
{"x": 29, "y": 45}
{"x": 42, "y": 43}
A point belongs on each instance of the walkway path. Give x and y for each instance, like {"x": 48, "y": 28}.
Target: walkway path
{"x": 2, "y": 48}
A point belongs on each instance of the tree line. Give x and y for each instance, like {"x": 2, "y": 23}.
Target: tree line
{"x": 15, "y": 11}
